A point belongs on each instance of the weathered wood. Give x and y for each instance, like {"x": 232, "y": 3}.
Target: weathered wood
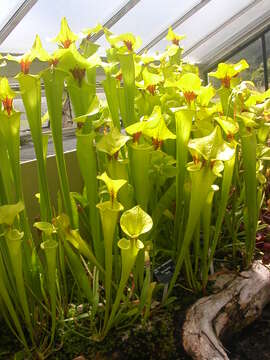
{"x": 238, "y": 304}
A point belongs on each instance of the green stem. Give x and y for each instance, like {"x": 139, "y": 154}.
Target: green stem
{"x": 54, "y": 87}
{"x": 109, "y": 213}
{"x": 79, "y": 243}
{"x": 140, "y": 157}
{"x": 201, "y": 182}
{"x": 129, "y": 252}
{"x": 6, "y": 173}
{"x": 31, "y": 95}
{"x": 118, "y": 169}
{"x": 128, "y": 72}
{"x": 10, "y": 128}
{"x": 8, "y": 303}
{"x": 14, "y": 242}
{"x": 50, "y": 248}
{"x": 197, "y": 246}
{"x": 78, "y": 271}
{"x": 225, "y": 190}
{"x": 81, "y": 95}
{"x": 249, "y": 143}
{"x": 183, "y": 127}
{"x": 110, "y": 89}
{"x": 206, "y": 225}
{"x": 88, "y": 165}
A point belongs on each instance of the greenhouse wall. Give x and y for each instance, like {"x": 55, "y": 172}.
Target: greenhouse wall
{"x": 30, "y": 181}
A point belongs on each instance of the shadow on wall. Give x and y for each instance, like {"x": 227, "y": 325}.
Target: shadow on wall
{"x": 30, "y": 182}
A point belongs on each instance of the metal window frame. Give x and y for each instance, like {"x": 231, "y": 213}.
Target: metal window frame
{"x": 240, "y": 40}
{"x": 15, "y": 18}
{"x": 265, "y": 67}
{"x": 24, "y": 8}
{"x": 178, "y": 22}
{"x": 260, "y": 36}
{"x": 226, "y": 23}
{"x": 115, "y": 18}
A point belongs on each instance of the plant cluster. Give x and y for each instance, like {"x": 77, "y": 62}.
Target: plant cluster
{"x": 172, "y": 169}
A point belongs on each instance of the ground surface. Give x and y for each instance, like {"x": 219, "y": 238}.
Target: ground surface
{"x": 159, "y": 340}
{"x": 253, "y": 342}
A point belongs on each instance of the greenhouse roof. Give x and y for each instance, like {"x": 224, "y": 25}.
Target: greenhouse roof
{"x": 212, "y": 27}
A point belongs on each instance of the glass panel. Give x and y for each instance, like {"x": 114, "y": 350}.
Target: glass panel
{"x": 45, "y": 17}
{"x": 28, "y": 152}
{"x": 253, "y": 55}
{"x": 27, "y": 147}
{"x": 8, "y": 7}
{"x": 18, "y": 105}
{"x": 150, "y": 17}
{"x": 208, "y": 51}
{"x": 267, "y": 43}
{"x": 204, "y": 21}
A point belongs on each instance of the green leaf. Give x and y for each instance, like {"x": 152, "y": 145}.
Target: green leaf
{"x": 49, "y": 245}
{"x": 112, "y": 142}
{"x": 211, "y": 147}
{"x": 14, "y": 235}
{"x": 135, "y": 222}
{"x": 156, "y": 127}
{"x": 136, "y": 128}
{"x": 217, "y": 168}
{"x": 113, "y": 186}
{"x": 175, "y": 38}
{"x": 65, "y": 37}
{"x": 37, "y": 52}
{"x": 162, "y": 167}
{"x": 171, "y": 51}
{"x": 44, "y": 226}
{"x": 147, "y": 58}
{"x": 189, "y": 83}
{"x": 128, "y": 71}
{"x": 191, "y": 166}
{"x": 88, "y": 48}
{"x": 71, "y": 60}
{"x": 92, "y": 31}
{"x": 124, "y": 41}
{"x": 93, "y": 109}
{"x": 125, "y": 244}
{"x": 206, "y": 93}
{"x": 229, "y": 126}
{"x": 248, "y": 119}
{"x": 5, "y": 90}
{"x": 257, "y": 97}
{"x": 9, "y": 212}
{"x": 171, "y": 77}
{"x": 107, "y": 207}
{"x": 110, "y": 68}
{"x": 110, "y": 89}
{"x": 151, "y": 78}
{"x": 228, "y": 71}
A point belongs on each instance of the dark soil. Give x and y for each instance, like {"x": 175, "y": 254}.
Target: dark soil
{"x": 159, "y": 339}
{"x": 253, "y": 342}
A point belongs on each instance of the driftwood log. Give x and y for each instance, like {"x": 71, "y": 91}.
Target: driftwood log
{"x": 238, "y": 304}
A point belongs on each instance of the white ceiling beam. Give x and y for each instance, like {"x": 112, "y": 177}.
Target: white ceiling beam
{"x": 15, "y": 18}
{"x": 221, "y": 27}
{"x": 174, "y": 25}
{"x": 116, "y": 17}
